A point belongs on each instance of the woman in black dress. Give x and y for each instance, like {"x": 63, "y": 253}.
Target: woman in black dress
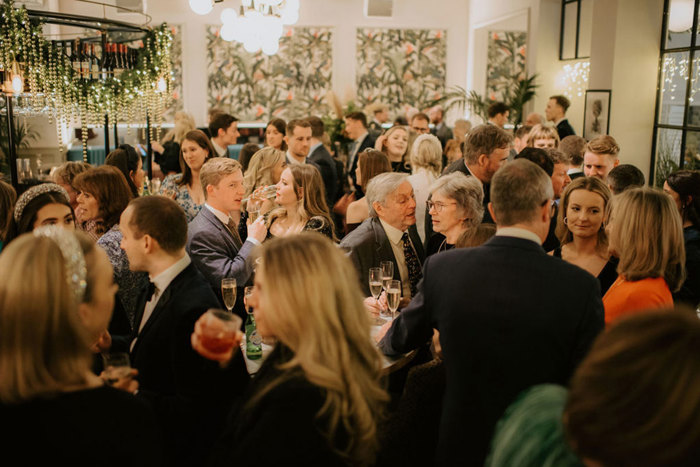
{"x": 581, "y": 229}
{"x": 317, "y": 398}
{"x": 56, "y": 299}
{"x": 395, "y": 144}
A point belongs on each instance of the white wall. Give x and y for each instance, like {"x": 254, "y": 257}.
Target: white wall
{"x": 343, "y": 15}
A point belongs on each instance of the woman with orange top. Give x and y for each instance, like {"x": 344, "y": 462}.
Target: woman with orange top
{"x": 645, "y": 232}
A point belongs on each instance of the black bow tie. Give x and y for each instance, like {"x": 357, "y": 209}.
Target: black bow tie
{"x": 151, "y": 290}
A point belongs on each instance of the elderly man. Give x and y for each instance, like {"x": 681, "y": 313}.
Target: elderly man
{"x": 497, "y": 339}
{"x": 389, "y": 234}
{"x": 600, "y": 157}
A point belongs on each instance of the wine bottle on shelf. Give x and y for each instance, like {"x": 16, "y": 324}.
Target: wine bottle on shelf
{"x": 118, "y": 65}
{"x": 95, "y": 65}
{"x": 75, "y": 57}
{"x": 85, "y": 61}
{"x": 107, "y": 60}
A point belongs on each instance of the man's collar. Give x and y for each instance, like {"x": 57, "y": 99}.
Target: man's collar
{"x": 393, "y": 234}
{"x": 313, "y": 148}
{"x": 219, "y": 150}
{"x": 362, "y": 137}
{"x": 518, "y": 233}
{"x": 473, "y": 175}
{"x": 559, "y": 121}
{"x": 162, "y": 280}
{"x": 222, "y": 216}
{"x": 292, "y": 160}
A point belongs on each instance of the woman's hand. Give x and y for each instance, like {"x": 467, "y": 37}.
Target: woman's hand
{"x": 126, "y": 383}
{"x": 379, "y": 143}
{"x": 157, "y": 147}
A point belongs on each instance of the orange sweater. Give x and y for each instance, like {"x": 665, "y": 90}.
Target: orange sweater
{"x": 626, "y": 297}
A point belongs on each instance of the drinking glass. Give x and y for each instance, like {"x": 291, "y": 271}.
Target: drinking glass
{"x": 387, "y": 272}
{"x": 393, "y": 296}
{"x": 375, "y": 286}
{"x": 228, "y": 292}
{"x": 116, "y": 366}
{"x": 155, "y": 186}
{"x": 218, "y": 330}
{"x": 247, "y": 292}
{"x": 253, "y": 208}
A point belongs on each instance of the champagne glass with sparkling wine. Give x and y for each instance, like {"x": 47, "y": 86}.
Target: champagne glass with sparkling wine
{"x": 375, "y": 286}
{"x": 228, "y": 292}
{"x": 393, "y": 296}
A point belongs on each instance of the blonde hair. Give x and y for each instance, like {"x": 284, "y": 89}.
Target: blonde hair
{"x": 594, "y": 185}
{"x": 260, "y": 168}
{"x": 311, "y": 194}
{"x": 648, "y": 236}
{"x": 44, "y": 347}
{"x": 324, "y": 323}
{"x": 215, "y": 169}
{"x": 426, "y": 153}
{"x": 542, "y": 132}
{"x": 184, "y": 123}
{"x": 404, "y": 157}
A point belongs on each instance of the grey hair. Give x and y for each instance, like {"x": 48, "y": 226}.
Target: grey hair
{"x": 467, "y": 192}
{"x": 518, "y": 190}
{"x": 426, "y": 153}
{"x": 381, "y": 186}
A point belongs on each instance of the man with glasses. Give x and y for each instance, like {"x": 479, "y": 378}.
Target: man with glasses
{"x": 420, "y": 123}
{"x": 509, "y": 315}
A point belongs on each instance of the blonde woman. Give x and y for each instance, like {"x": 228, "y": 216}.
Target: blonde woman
{"x": 426, "y": 164}
{"x": 167, "y": 151}
{"x": 317, "y": 398}
{"x": 56, "y": 298}
{"x": 543, "y": 137}
{"x": 581, "y": 231}
{"x": 264, "y": 169}
{"x": 645, "y": 231}
{"x": 394, "y": 143}
{"x": 302, "y": 200}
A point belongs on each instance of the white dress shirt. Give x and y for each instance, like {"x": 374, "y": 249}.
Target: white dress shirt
{"x": 292, "y": 160}
{"x": 358, "y": 143}
{"x": 161, "y": 282}
{"x": 222, "y": 152}
{"x": 519, "y": 233}
{"x": 394, "y": 235}
{"x": 224, "y": 218}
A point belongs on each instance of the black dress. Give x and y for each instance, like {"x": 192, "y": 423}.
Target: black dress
{"x": 400, "y": 167}
{"x": 97, "y": 426}
{"x": 281, "y": 427}
{"x": 315, "y": 224}
{"x": 607, "y": 275}
{"x": 437, "y": 243}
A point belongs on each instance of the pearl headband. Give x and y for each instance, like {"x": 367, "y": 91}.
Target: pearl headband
{"x": 76, "y": 270}
{"x": 35, "y": 191}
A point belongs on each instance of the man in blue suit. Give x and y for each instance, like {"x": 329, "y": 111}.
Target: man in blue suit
{"x": 189, "y": 394}
{"x": 509, "y": 315}
{"x": 213, "y": 241}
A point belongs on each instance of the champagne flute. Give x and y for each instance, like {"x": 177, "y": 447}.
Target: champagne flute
{"x": 253, "y": 208}
{"x": 387, "y": 272}
{"x": 393, "y": 296}
{"x": 228, "y": 292}
{"x": 375, "y": 286}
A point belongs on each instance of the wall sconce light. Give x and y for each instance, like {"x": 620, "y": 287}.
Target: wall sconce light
{"x": 14, "y": 80}
{"x": 680, "y": 15}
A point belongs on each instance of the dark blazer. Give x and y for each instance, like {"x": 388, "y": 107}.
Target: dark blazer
{"x": 565, "y": 129}
{"x": 326, "y": 166}
{"x": 368, "y": 142}
{"x": 369, "y": 246}
{"x": 215, "y": 253}
{"x": 187, "y": 391}
{"x": 443, "y": 133}
{"x": 510, "y": 316}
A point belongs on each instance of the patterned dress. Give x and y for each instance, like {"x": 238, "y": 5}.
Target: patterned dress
{"x": 130, "y": 283}
{"x": 182, "y": 195}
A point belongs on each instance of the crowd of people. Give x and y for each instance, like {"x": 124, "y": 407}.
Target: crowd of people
{"x": 546, "y": 300}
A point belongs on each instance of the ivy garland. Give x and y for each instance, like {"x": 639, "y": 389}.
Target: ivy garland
{"x": 54, "y": 88}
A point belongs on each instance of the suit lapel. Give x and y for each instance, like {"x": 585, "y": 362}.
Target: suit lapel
{"x": 225, "y": 232}
{"x": 382, "y": 245}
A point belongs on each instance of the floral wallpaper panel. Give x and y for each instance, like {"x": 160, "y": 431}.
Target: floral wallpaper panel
{"x": 507, "y": 51}
{"x": 400, "y": 67}
{"x": 257, "y": 87}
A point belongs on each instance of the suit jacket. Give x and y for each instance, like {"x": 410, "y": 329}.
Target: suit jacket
{"x": 188, "y": 392}
{"x": 565, "y": 129}
{"x": 326, "y": 166}
{"x": 369, "y": 246}
{"x": 213, "y": 250}
{"x": 368, "y": 142}
{"x": 510, "y": 316}
{"x": 443, "y": 133}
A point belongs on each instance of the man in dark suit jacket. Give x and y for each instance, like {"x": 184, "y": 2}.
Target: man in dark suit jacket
{"x": 556, "y": 112}
{"x": 189, "y": 394}
{"x": 319, "y": 155}
{"x": 213, "y": 240}
{"x": 389, "y": 234}
{"x": 499, "y": 339}
{"x": 440, "y": 128}
{"x": 356, "y": 129}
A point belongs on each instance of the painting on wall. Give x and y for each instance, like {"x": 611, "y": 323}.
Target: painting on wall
{"x": 257, "y": 87}
{"x": 176, "y": 60}
{"x": 507, "y": 51}
{"x": 400, "y": 67}
{"x": 596, "y": 114}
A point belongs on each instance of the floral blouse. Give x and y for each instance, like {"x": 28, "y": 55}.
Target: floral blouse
{"x": 182, "y": 195}
{"x": 130, "y": 283}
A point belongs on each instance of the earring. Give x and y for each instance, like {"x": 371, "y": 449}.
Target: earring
{"x": 565, "y": 220}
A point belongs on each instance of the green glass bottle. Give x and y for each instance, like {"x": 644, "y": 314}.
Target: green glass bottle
{"x": 253, "y": 348}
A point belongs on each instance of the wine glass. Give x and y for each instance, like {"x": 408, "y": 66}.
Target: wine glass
{"x": 228, "y": 292}
{"x": 218, "y": 330}
{"x": 375, "y": 286}
{"x": 116, "y": 366}
{"x": 253, "y": 208}
{"x": 393, "y": 296}
{"x": 247, "y": 292}
{"x": 387, "y": 272}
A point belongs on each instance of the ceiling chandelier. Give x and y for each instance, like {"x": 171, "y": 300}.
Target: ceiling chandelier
{"x": 257, "y": 25}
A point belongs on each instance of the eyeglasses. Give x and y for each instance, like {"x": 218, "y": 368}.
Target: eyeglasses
{"x": 437, "y": 206}
{"x": 552, "y": 206}
{"x": 420, "y": 130}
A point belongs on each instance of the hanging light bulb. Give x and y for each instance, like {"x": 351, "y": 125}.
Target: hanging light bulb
{"x": 228, "y": 15}
{"x": 201, "y": 7}
{"x": 17, "y": 80}
{"x": 680, "y": 16}
{"x": 271, "y": 47}
{"x": 228, "y": 32}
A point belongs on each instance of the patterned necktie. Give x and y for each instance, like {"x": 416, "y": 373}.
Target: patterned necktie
{"x": 233, "y": 228}
{"x": 412, "y": 263}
